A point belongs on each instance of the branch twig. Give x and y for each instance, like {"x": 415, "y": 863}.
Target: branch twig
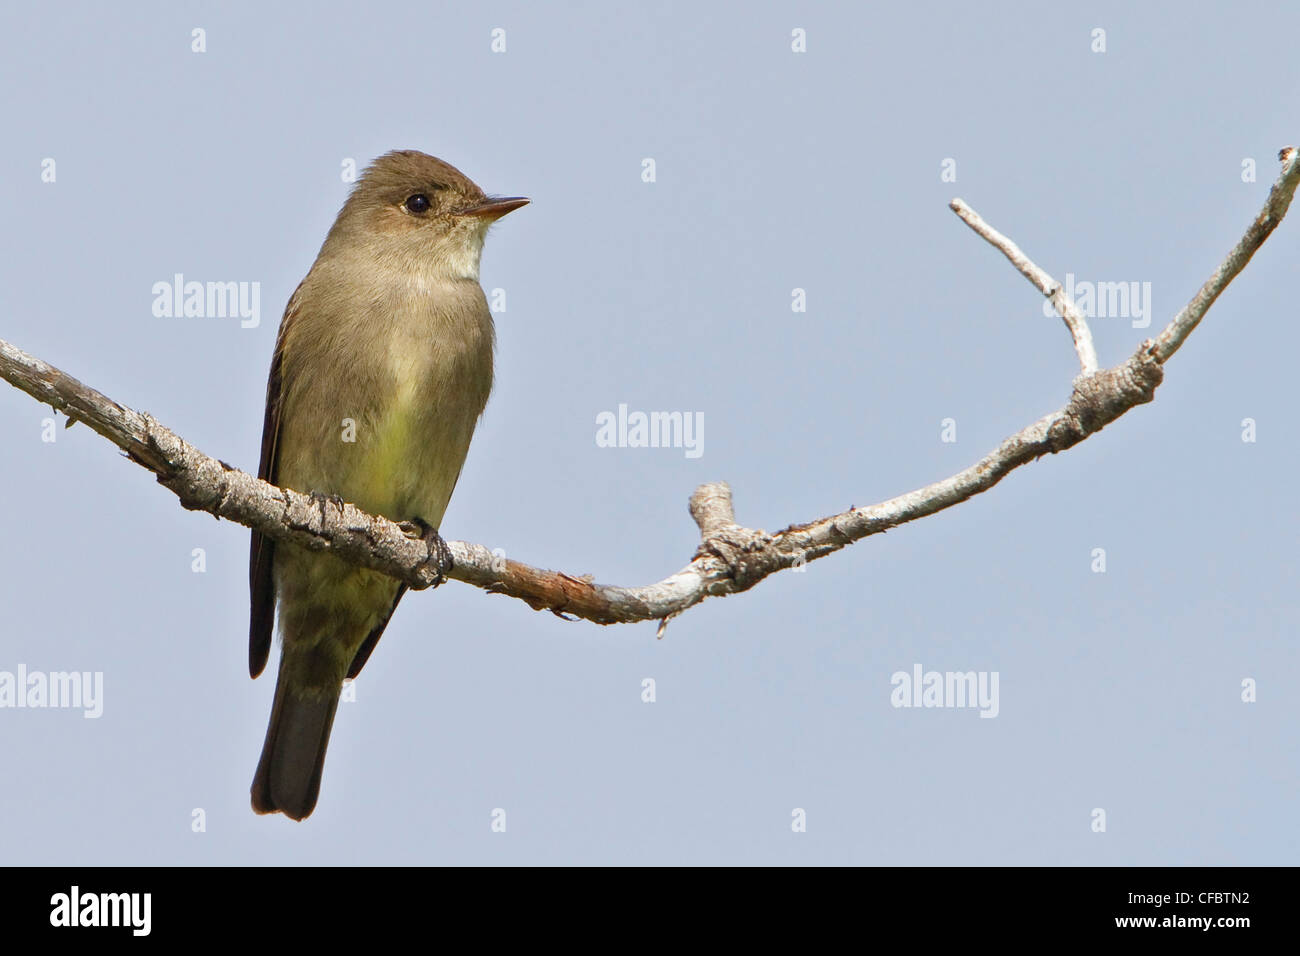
{"x": 1064, "y": 305}
{"x": 730, "y": 558}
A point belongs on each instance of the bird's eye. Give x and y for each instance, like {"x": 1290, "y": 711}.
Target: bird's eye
{"x": 417, "y": 204}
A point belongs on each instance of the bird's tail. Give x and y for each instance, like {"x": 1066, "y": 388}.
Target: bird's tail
{"x": 288, "y": 775}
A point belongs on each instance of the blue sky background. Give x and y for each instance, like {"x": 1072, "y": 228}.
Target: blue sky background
{"x": 775, "y": 170}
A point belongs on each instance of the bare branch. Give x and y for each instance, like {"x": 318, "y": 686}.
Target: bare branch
{"x": 1064, "y": 305}
{"x": 206, "y": 484}
{"x": 1279, "y": 201}
{"x": 730, "y": 558}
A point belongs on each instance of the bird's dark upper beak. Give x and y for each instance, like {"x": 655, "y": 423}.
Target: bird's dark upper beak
{"x": 494, "y": 208}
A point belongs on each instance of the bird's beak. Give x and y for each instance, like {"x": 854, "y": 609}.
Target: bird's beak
{"x": 491, "y": 209}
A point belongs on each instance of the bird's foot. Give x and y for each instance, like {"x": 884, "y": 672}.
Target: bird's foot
{"x": 439, "y": 553}
{"x": 319, "y": 499}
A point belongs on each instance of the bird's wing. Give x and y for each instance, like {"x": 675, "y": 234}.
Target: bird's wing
{"x": 363, "y": 652}
{"x": 261, "y": 585}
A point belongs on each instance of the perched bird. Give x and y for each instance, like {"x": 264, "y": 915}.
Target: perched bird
{"x": 382, "y": 367}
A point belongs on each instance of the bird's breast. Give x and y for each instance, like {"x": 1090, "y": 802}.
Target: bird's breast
{"x": 389, "y": 426}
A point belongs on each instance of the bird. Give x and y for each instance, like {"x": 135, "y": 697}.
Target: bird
{"x": 382, "y": 367}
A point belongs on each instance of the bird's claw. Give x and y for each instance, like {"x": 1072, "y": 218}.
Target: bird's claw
{"x": 439, "y": 554}
{"x": 319, "y": 499}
